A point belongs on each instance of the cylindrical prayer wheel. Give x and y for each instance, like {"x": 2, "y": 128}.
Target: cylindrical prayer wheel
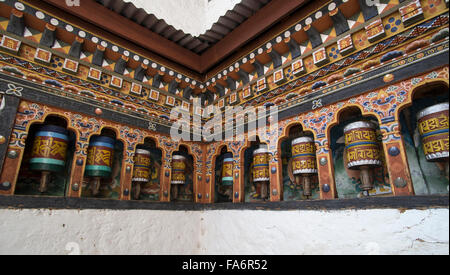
{"x": 261, "y": 165}
{"x": 100, "y": 157}
{"x": 304, "y": 156}
{"x": 142, "y": 163}
{"x": 49, "y": 152}
{"x": 49, "y": 149}
{"x": 363, "y": 150}
{"x": 304, "y": 162}
{"x": 178, "y": 170}
{"x": 227, "y": 170}
{"x": 433, "y": 128}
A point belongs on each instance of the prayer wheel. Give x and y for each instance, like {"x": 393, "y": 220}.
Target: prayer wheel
{"x": 227, "y": 170}
{"x": 142, "y": 166}
{"x": 178, "y": 174}
{"x": 304, "y": 162}
{"x": 100, "y": 159}
{"x": 433, "y": 129}
{"x": 261, "y": 169}
{"x": 49, "y": 152}
{"x": 363, "y": 151}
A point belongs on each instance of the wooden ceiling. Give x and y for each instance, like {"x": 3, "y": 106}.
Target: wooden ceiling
{"x": 128, "y": 24}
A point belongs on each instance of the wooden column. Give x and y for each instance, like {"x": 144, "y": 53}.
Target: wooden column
{"x": 10, "y": 172}
{"x": 326, "y": 171}
{"x": 276, "y": 177}
{"x": 9, "y": 161}
{"x": 208, "y": 189}
{"x": 126, "y": 175}
{"x": 238, "y": 179}
{"x": 164, "y": 178}
{"x": 397, "y": 163}
{"x": 77, "y": 170}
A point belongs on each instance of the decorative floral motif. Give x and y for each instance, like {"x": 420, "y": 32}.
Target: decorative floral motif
{"x": 431, "y": 6}
{"x": 393, "y": 24}
{"x": 13, "y": 90}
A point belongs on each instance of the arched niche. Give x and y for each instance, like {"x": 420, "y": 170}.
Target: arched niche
{"x": 185, "y": 191}
{"x": 292, "y": 191}
{"x": 252, "y": 189}
{"x": 57, "y": 183}
{"x": 348, "y": 182}
{"x": 149, "y": 191}
{"x": 428, "y": 178}
{"x": 223, "y": 189}
{"x": 110, "y": 184}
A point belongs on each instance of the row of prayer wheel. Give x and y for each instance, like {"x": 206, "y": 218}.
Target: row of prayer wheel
{"x": 50, "y": 150}
{"x": 362, "y": 153}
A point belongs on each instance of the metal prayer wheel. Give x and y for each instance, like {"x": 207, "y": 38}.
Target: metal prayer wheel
{"x": 261, "y": 169}
{"x": 142, "y": 165}
{"x": 178, "y": 174}
{"x": 100, "y": 159}
{"x": 178, "y": 169}
{"x": 433, "y": 129}
{"x": 363, "y": 151}
{"x": 49, "y": 152}
{"x": 261, "y": 165}
{"x": 227, "y": 170}
{"x": 304, "y": 162}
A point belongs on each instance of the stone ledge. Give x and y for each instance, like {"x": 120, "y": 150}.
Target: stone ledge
{"x": 403, "y": 203}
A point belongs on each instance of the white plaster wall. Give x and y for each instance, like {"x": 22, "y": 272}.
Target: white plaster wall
{"x": 192, "y": 16}
{"x": 224, "y": 232}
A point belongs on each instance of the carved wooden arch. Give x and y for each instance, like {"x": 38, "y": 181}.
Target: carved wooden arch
{"x": 336, "y": 121}
{"x": 287, "y": 128}
{"x": 145, "y": 136}
{"x": 115, "y": 130}
{"x": 194, "y": 168}
{"x": 216, "y": 155}
{"x": 42, "y": 120}
{"x": 414, "y": 89}
{"x": 247, "y": 145}
{"x": 213, "y": 165}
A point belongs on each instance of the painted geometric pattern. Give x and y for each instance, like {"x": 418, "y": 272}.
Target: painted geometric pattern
{"x": 362, "y": 55}
{"x": 94, "y": 89}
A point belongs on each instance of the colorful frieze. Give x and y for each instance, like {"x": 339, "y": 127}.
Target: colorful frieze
{"x": 43, "y": 56}
{"x": 247, "y": 92}
{"x": 320, "y": 57}
{"x": 10, "y": 44}
{"x": 154, "y": 95}
{"x": 186, "y": 106}
{"x": 116, "y": 82}
{"x": 136, "y": 89}
{"x": 298, "y": 68}
{"x": 94, "y": 74}
{"x": 221, "y": 103}
{"x": 234, "y": 98}
{"x": 411, "y": 13}
{"x": 170, "y": 101}
{"x": 70, "y": 66}
{"x": 345, "y": 45}
{"x": 278, "y": 77}
{"x": 261, "y": 85}
{"x": 375, "y": 31}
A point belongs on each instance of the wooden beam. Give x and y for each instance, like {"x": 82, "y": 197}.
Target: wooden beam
{"x": 255, "y": 25}
{"x": 100, "y": 16}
